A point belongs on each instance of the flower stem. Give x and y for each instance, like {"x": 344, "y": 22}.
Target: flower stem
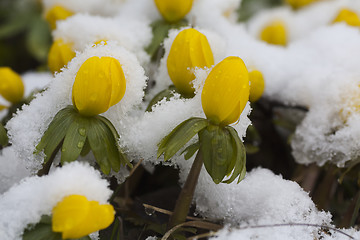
{"x": 46, "y": 167}
{"x": 186, "y": 195}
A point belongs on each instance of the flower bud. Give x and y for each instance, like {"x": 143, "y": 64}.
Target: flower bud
{"x": 190, "y": 49}
{"x": 257, "y": 85}
{"x": 299, "y": 3}
{"x": 11, "y": 85}
{"x": 59, "y": 55}
{"x": 77, "y": 217}
{"x": 57, "y": 13}
{"x": 274, "y": 33}
{"x": 348, "y": 16}
{"x": 226, "y": 91}
{"x": 173, "y": 10}
{"x": 99, "y": 84}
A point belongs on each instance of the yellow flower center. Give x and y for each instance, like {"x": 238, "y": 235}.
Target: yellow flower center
{"x": 173, "y": 10}
{"x": 11, "y": 85}
{"x": 274, "y": 33}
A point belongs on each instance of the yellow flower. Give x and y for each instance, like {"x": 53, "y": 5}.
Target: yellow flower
{"x": 190, "y": 49}
{"x": 99, "y": 42}
{"x": 11, "y": 85}
{"x": 226, "y": 91}
{"x": 257, "y": 85}
{"x": 274, "y": 33}
{"x": 348, "y": 16}
{"x": 57, "y": 13}
{"x": 173, "y": 10}
{"x": 59, "y": 55}
{"x": 300, "y": 3}
{"x": 99, "y": 84}
{"x": 76, "y": 217}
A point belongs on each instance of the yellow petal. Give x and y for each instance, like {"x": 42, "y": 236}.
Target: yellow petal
{"x": 70, "y": 212}
{"x": 190, "y": 49}
{"x": 257, "y": 85}
{"x": 348, "y": 16}
{"x": 102, "y": 41}
{"x": 173, "y": 10}
{"x": 57, "y": 13}
{"x": 300, "y": 3}
{"x": 274, "y": 33}
{"x": 11, "y": 85}
{"x": 76, "y": 217}
{"x": 226, "y": 91}
{"x": 99, "y": 84}
{"x": 59, "y": 55}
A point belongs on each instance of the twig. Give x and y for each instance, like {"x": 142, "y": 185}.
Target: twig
{"x": 198, "y": 224}
{"x": 167, "y": 212}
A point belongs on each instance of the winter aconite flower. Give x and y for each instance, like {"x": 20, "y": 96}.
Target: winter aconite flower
{"x": 11, "y": 85}
{"x": 257, "y": 85}
{"x": 99, "y": 84}
{"x": 274, "y": 33}
{"x": 57, "y": 13}
{"x": 76, "y": 217}
{"x": 59, "y": 55}
{"x": 226, "y": 91}
{"x": 299, "y": 3}
{"x": 173, "y": 10}
{"x": 190, "y": 49}
{"x": 348, "y": 16}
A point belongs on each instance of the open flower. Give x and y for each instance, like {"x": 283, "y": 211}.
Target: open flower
{"x": 348, "y": 16}
{"x": 257, "y": 85}
{"x": 11, "y": 85}
{"x": 226, "y": 91}
{"x": 76, "y": 217}
{"x": 274, "y": 33}
{"x": 59, "y": 55}
{"x": 57, "y": 13}
{"x": 99, "y": 84}
{"x": 190, "y": 49}
{"x": 173, "y": 10}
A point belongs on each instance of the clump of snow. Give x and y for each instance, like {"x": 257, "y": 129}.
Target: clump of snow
{"x": 96, "y": 7}
{"x": 134, "y": 35}
{"x": 12, "y": 169}
{"x": 36, "y": 117}
{"x": 26, "y": 202}
{"x": 142, "y": 132}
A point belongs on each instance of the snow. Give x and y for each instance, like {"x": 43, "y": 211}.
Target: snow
{"x": 33, "y": 197}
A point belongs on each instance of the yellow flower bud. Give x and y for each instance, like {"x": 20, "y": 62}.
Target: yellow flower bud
{"x": 99, "y": 84}
{"x": 76, "y": 217}
{"x": 257, "y": 85}
{"x": 274, "y": 33}
{"x": 59, "y": 55}
{"x": 348, "y": 16}
{"x": 173, "y": 10}
{"x": 226, "y": 91}
{"x": 190, "y": 49}
{"x": 57, "y": 13}
{"x": 11, "y": 85}
{"x": 300, "y": 3}
{"x": 102, "y": 41}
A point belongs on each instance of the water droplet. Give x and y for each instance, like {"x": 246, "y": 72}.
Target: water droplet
{"x": 149, "y": 211}
{"x": 80, "y": 144}
{"x": 82, "y": 131}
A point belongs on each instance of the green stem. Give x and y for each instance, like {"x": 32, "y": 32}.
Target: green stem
{"x": 186, "y": 195}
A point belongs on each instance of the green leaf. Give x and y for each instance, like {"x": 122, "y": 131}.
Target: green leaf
{"x": 86, "y": 149}
{"x": 38, "y": 39}
{"x": 167, "y": 93}
{"x": 217, "y": 149}
{"x": 191, "y": 150}
{"x": 15, "y": 25}
{"x": 74, "y": 140}
{"x": 104, "y": 146}
{"x": 178, "y": 137}
{"x": 3, "y": 136}
{"x": 55, "y": 132}
{"x": 41, "y": 231}
{"x": 240, "y": 165}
